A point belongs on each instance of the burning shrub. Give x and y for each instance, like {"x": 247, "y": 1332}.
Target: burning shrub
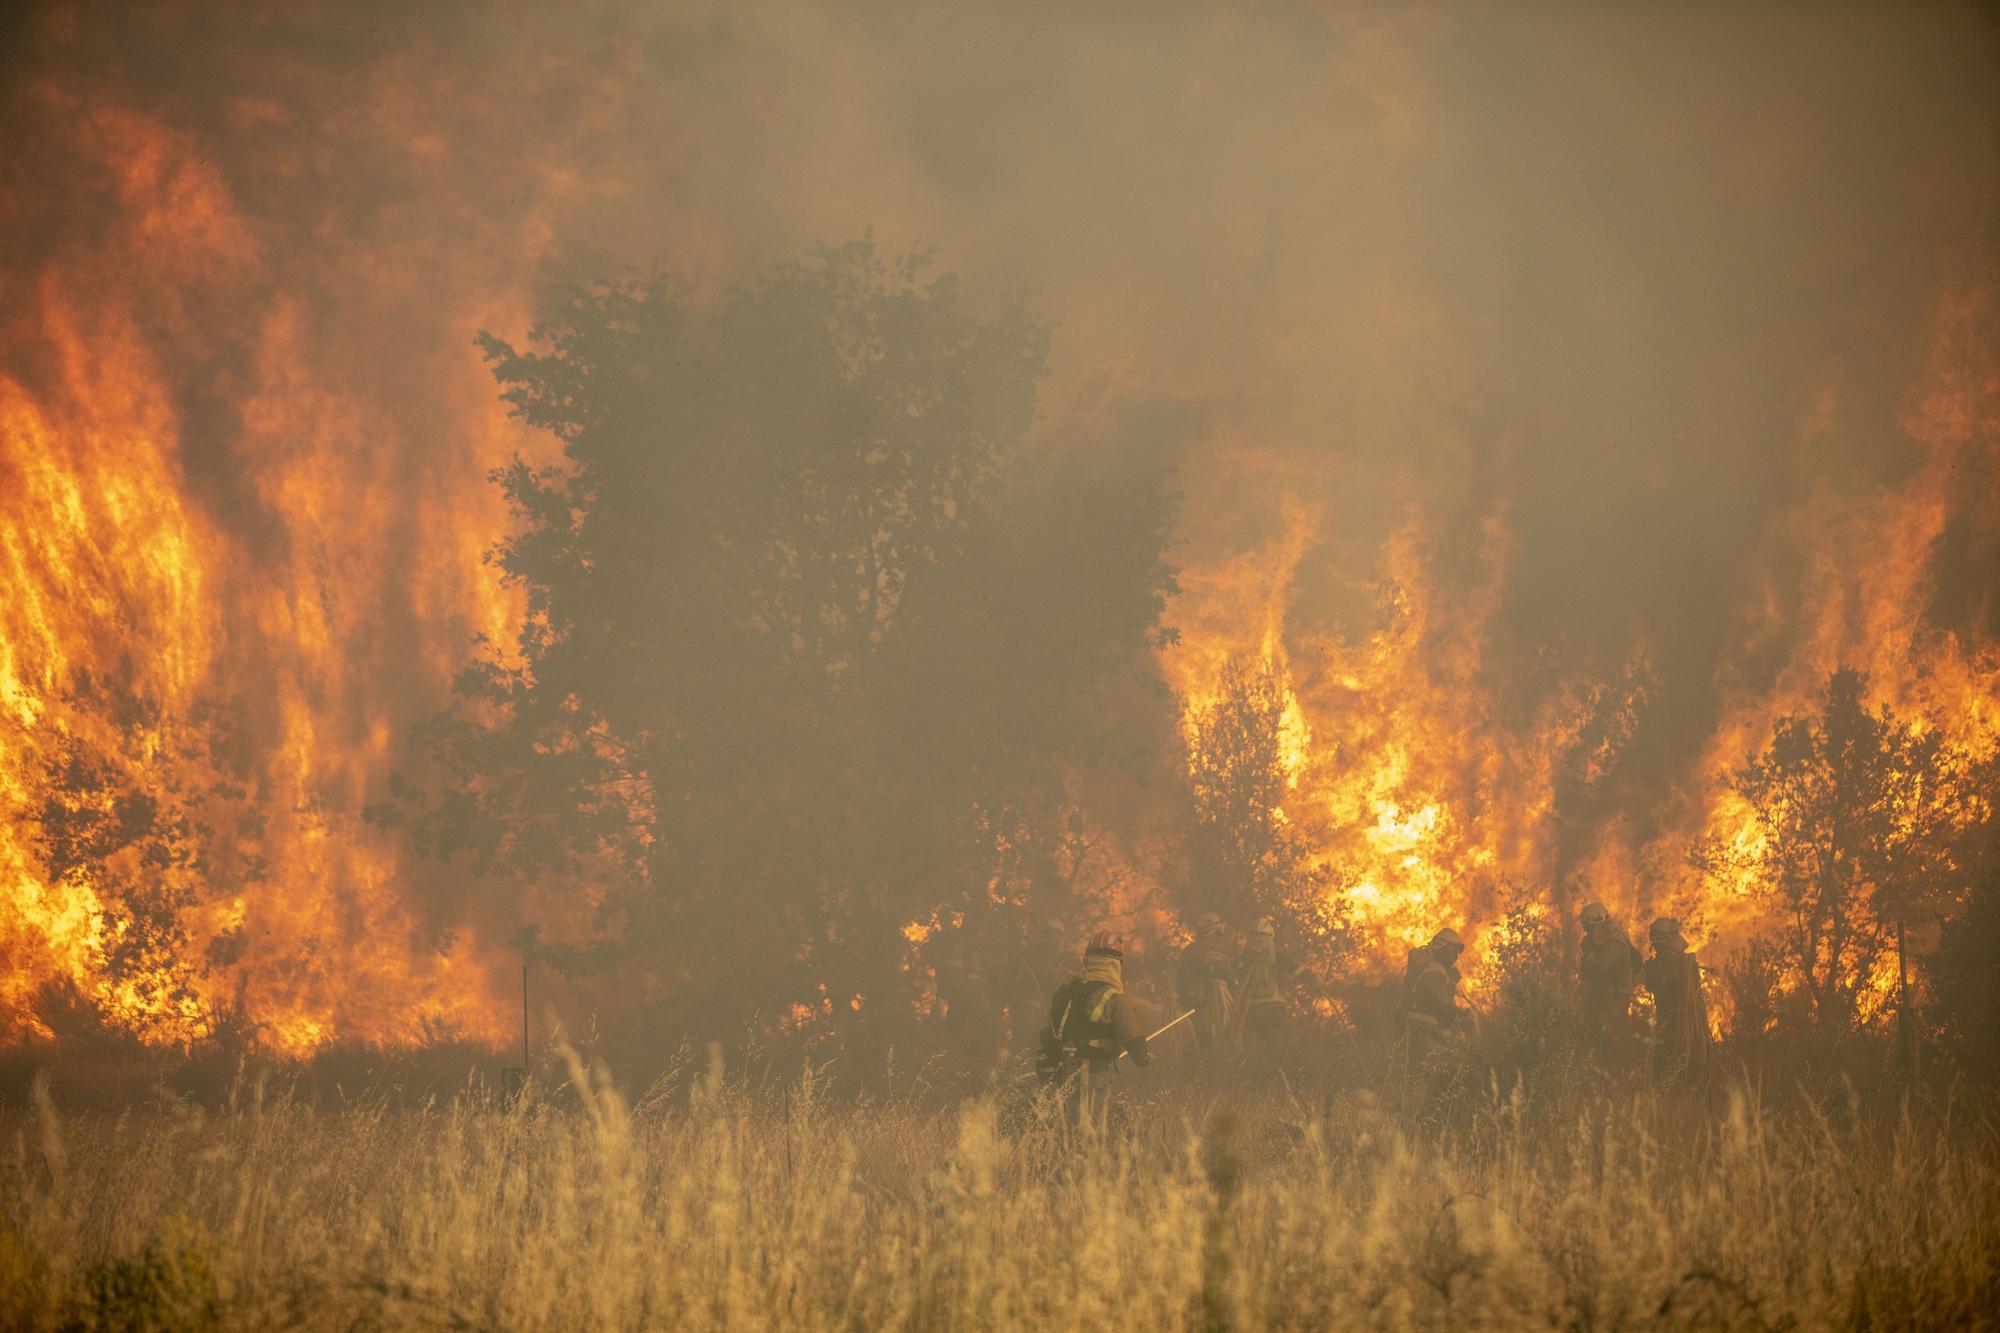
{"x": 1531, "y": 1032}
{"x": 1857, "y": 814}
{"x": 1752, "y": 994}
{"x": 1246, "y": 858}
{"x": 107, "y": 828}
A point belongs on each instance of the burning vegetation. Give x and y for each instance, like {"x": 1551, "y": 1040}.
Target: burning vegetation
{"x": 747, "y": 535}
{"x": 782, "y": 650}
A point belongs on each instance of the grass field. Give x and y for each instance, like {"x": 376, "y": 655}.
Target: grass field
{"x": 706, "y": 1205}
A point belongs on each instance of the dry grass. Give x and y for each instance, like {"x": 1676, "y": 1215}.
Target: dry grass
{"x": 708, "y": 1206}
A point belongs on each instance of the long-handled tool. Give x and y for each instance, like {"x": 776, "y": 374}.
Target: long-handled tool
{"x": 1157, "y": 1032}
{"x": 1161, "y": 1032}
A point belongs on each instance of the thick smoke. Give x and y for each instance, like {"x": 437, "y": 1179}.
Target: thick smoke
{"x": 1601, "y": 299}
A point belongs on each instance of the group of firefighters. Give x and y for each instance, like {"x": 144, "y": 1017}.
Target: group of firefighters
{"x": 1236, "y": 997}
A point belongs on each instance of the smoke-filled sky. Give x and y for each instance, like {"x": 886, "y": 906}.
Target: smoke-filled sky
{"x": 1612, "y": 254}
{"x": 1585, "y": 314}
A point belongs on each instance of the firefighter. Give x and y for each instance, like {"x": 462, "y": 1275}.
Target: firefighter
{"x": 1680, "y": 1012}
{"x": 1265, "y": 1007}
{"x": 1607, "y": 972}
{"x": 1433, "y": 1026}
{"x": 1430, "y": 984}
{"x": 1092, "y": 1025}
{"x": 1204, "y": 981}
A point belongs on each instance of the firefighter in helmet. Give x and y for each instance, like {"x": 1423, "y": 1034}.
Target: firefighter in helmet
{"x": 1430, "y": 982}
{"x": 1607, "y": 972}
{"x": 1262, "y": 977}
{"x": 1680, "y": 1011}
{"x": 1433, "y": 1024}
{"x": 1092, "y": 1022}
{"x": 1204, "y": 982}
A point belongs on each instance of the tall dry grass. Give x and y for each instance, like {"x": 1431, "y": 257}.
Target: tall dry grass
{"x": 707, "y": 1205}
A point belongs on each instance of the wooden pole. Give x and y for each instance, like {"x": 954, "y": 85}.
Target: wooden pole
{"x": 1905, "y": 1034}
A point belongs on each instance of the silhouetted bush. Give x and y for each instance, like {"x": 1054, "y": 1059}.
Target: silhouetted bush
{"x": 1965, "y": 981}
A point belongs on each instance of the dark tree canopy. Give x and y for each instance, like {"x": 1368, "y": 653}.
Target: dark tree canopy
{"x": 812, "y": 651}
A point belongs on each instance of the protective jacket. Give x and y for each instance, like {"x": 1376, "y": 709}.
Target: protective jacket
{"x": 1430, "y": 992}
{"x": 1205, "y": 984}
{"x": 1680, "y": 1016}
{"x": 1262, "y": 967}
{"x": 1091, "y": 1021}
{"x": 1607, "y": 971}
{"x": 1433, "y": 1027}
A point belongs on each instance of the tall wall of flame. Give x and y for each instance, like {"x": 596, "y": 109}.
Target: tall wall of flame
{"x": 1558, "y": 395}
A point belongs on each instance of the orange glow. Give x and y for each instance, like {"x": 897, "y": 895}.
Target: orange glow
{"x": 245, "y": 516}
{"x": 219, "y": 656}
{"x": 1430, "y": 808}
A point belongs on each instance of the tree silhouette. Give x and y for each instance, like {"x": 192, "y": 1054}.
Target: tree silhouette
{"x": 1246, "y": 858}
{"x": 1858, "y": 815}
{"x": 808, "y": 650}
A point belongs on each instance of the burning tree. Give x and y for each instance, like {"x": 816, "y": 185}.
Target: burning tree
{"x": 143, "y": 817}
{"x": 1246, "y": 857}
{"x": 139, "y": 850}
{"x": 1858, "y": 817}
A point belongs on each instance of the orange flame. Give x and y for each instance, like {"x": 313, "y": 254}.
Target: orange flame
{"x": 1430, "y": 806}
{"x": 220, "y": 655}
{"x": 241, "y": 556}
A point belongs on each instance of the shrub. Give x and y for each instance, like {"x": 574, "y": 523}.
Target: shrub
{"x": 1965, "y": 981}
{"x": 168, "y": 1287}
